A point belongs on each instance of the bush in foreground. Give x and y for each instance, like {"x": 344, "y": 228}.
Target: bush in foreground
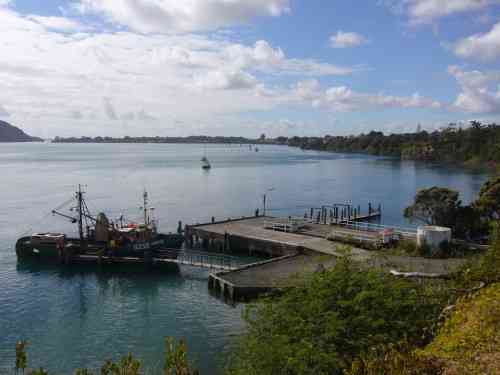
{"x": 334, "y": 317}
{"x": 175, "y": 362}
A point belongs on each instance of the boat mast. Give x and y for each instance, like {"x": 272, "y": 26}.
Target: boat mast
{"x": 145, "y": 196}
{"x": 79, "y": 196}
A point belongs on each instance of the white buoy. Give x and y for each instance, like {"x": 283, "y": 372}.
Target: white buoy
{"x": 432, "y": 236}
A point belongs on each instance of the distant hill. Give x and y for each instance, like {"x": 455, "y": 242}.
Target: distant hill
{"x": 9, "y": 133}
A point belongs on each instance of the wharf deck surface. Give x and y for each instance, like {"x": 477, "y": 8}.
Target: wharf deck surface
{"x": 278, "y": 274}
{"x": 311, "y": 237}
{"x": 322, "y": 252}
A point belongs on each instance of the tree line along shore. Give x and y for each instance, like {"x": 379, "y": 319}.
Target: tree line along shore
{"x": 477, "y": 145}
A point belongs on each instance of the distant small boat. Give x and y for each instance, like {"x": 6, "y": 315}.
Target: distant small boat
{"x": 205, "y": 164}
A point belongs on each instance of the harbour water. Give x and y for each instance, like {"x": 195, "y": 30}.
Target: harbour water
{"x": 79, "y": 317}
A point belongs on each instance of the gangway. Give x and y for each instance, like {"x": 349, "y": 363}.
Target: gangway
{"x": 213, "y": 261}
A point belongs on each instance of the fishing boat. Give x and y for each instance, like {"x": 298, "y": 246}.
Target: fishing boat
{"x": 100, "y": 236}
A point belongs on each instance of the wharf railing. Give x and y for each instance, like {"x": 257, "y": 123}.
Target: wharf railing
{"x": 214, "y": 261}
{"x": 291, "y": 224}
{"x": 409, "y": 233}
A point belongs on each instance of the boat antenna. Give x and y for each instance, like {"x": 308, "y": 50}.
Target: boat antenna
{"x": 145, "y": 196}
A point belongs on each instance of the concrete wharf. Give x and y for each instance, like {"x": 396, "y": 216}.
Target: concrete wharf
{"x": 305, "y": 250}
{"x": 251, "y": 235}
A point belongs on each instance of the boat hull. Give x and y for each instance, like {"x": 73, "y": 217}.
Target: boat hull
{"x": 26, "y": 248}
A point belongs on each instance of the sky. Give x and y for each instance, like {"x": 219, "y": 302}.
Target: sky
{"x": 247, "y": 67}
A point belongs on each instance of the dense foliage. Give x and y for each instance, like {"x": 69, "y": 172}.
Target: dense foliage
{"x": 337, "y": 315}
{"x": 488, "y": 202}
{"x": 477, "y": 144}
{"x": 441, "y": 206}
{"x": 469, "y": 341}
{"x": 434, "y": 206}
{"x": 485, "y": 269}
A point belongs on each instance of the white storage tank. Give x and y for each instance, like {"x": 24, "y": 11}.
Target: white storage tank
{"x": 433, "y": 236}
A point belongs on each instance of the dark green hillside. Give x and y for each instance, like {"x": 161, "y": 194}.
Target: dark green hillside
{"x": 9, "y": 133}
{"x": 476, "y": 145}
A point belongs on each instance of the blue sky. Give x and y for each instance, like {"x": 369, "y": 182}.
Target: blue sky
{"x": 244, "y": 67}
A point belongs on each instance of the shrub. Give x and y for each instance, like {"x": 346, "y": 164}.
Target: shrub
{"x": 469, "y": 341}
{"x": 336, "y": 316}
{"x": 485, "y": 269}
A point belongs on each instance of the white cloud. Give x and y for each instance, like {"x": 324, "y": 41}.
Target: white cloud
{"x": 225, "y": 80}
{"x": 344, "y": 99}
{"x": 57, "y": 23}
{"x": 347, "y": 39}
{"x": 109, "y": 109}
{"x": 166, "y": 16}
{"x": 427, "y": 11}
{"x": 63, "y": 78}
{"x": 484, "y": 47}
{"x": 76, "y": 114}
{"x": 263, "y": 57}
{"x": 3, "y": 112}
{"x": 480, "y": 91}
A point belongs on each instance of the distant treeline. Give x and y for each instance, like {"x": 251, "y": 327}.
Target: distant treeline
{"x": 190, "y": 139}
{"x": 477, "y": 144}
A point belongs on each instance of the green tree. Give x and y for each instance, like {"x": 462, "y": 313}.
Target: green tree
{"x": 322, "y": 326}
{"x": 40, "y": 371}
{"x": 488, "y": 202}
{"x": 128, "y": 365}
{"x": 83, "y": 372}
{"x": 176, "y": 361}
{"x": 21, "y": 357}
{"x": 434, "y": 206}
{"x": 486, "y": 269}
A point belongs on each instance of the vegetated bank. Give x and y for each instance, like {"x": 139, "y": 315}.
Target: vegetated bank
{"x": 476, "y": 145}
{"x": 157, "y": 139}
{"x": 10, "y": 133}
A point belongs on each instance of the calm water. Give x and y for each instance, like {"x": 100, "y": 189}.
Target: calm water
{"x": 80, "y": 317}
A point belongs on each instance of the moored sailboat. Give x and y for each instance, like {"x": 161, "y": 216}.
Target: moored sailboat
{"x": 205, "y": 164}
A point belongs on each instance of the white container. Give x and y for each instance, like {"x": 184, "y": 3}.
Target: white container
{"x": 433, "y": 236}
